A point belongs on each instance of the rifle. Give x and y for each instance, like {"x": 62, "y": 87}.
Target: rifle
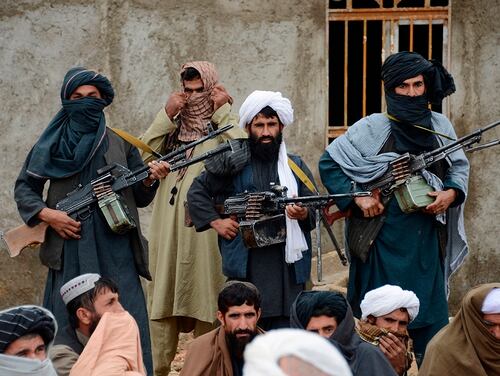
{"x": 103, "y": 190}
{"x": 403, "y": 177}
{"x": 260, "y": 214}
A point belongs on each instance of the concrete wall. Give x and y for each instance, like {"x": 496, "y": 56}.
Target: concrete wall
{"x": 475, "y": 56}
{"x": 255, "y": 44}
{"x": 140, "y": 45}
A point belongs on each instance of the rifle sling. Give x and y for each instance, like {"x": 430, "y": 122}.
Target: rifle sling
{"x": 302, "y": 176}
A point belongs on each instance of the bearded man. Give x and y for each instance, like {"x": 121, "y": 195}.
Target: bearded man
{"x": 185, "y": 265}
{"x": 70, "y": 152}
{"x": 385, "y": 315}
{"x": 281, "y": 270}
{"x": 220, "y": 352}
{"x": 388, "y": 245}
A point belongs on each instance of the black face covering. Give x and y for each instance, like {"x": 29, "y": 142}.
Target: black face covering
{"x": 409, "y": 111}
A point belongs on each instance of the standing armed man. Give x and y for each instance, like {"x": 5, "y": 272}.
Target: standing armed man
{"x": 387, "y": 245}
{"x": 185, "y": 265}
{"x": 281, "y": 270}
{"x": 69, "y": 153}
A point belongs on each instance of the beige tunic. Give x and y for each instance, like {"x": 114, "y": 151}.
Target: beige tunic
{"x": 185, "y": 265}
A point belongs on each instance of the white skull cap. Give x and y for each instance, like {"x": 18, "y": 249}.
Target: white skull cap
{"x": 77, "y": 286}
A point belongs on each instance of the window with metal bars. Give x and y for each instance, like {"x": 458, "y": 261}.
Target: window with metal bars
{"x": 361, "y": 34}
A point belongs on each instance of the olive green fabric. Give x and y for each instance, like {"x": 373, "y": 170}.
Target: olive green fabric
{"x": 185, "y": 265}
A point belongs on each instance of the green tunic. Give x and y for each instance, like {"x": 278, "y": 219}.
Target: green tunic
{"x": 186, "y": 265}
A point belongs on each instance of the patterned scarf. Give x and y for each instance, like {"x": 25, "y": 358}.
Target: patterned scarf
{"x": 199, "y": 108}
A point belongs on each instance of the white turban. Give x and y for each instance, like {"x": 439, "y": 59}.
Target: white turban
{"x": 491, "y": 304}
{"x": 388, "y": 298}
{"x": 259, "y": 99}
{"x": 255, "y": 102}
{"x": 263, "y": 354}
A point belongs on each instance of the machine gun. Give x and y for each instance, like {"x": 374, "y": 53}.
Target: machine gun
{"x": 104, "y": 191}
{"x": 404, "y": 175}
{"x": 261, "y": 214}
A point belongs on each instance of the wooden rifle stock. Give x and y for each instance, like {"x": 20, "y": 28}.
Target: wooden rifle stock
{"x": 331, "y": 216}
{"x": 15, "y": 240}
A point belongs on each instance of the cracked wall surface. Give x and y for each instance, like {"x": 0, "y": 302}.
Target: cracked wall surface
{"x": 255, "y": 44}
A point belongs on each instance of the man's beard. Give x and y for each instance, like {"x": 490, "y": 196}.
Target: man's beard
{"x": 237, "y": 345}
{"x": 95, "y": 321}
{"x": 265, "y": 151}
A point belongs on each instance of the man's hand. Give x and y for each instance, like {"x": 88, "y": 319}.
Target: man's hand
{"x": 157, "y": 171}
{"x": 295, "y": 211}
{"x": 175, "y": 104}
{"x": 443, "y": 201}
{"x": 395, "y": 351}
{"x": 219, "y": 96}
{"x": 65, "y": 226}
{"x": 227, "y": 227}
{"x": 371, "y": 206}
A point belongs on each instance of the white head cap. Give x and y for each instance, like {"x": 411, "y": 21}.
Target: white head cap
{"x": 259, "y": 99}
{"x": 77, "y": 286}
{"x": 388, "y": 298}
{"x": 491, "y": 304}
{"x": 263, "y": 354}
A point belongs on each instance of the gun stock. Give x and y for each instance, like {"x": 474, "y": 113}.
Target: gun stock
{"x": 15, "y": 240}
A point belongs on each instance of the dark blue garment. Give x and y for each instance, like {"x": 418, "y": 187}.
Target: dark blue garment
{"x": 76, "y": 132}
{"x": 101, "y": 251}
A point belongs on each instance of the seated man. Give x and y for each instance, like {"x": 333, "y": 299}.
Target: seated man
{"x": 87, "y": 298}
{"x": 293, "y": 352}
{"x": 220, "y": 352}
{"x": 26, "y": 332}
{"x": 470, "y": 344}
{"x": 329, "y": 314}
{"x": 385, "y": 315}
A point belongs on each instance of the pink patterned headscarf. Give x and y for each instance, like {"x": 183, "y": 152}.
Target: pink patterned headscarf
{"x": 199, "y": 108}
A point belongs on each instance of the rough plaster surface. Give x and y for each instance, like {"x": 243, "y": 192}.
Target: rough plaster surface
{"x": 475, "y": 37}
{"x": 255, "y": 44}
{"x": 140, "y": 46}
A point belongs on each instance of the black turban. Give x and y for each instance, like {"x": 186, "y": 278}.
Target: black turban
{"x": 19, "y": 321}
{"x": 309, "y": 301}
{"x": 404, "y": 65}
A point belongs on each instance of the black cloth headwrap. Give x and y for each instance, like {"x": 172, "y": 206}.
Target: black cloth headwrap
{"x": 411, "y": 111}
{"x": 308, "y": 301}
{"x": 344, "y": 337}
{"x": 19, "y": 321}
{"x": 75, "y": 133}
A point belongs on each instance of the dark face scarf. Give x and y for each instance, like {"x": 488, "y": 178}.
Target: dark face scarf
{"x": 76, "y": 132}
{"x": 410, "y": 111}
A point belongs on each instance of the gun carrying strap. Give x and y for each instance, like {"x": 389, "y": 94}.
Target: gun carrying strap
{"x": 135, "y": 141}
{"x": 302, "y": 176}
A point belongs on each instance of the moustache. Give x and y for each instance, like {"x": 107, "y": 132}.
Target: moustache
{"x": 263, "y": 138}
{"x": 242, "y": 331}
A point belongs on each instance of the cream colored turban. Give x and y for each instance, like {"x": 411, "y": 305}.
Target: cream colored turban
{"x": 388, "y": 298}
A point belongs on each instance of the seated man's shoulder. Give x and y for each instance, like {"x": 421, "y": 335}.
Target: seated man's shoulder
{"x": 206, "y": 341}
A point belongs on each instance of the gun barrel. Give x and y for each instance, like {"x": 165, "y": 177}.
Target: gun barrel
{"x": 322, "y": 199}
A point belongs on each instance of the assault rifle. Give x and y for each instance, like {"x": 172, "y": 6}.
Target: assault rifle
{"x": 261, "y": 214}
{"x": 403, "y": 177}
{"x": 103, "y": 191}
